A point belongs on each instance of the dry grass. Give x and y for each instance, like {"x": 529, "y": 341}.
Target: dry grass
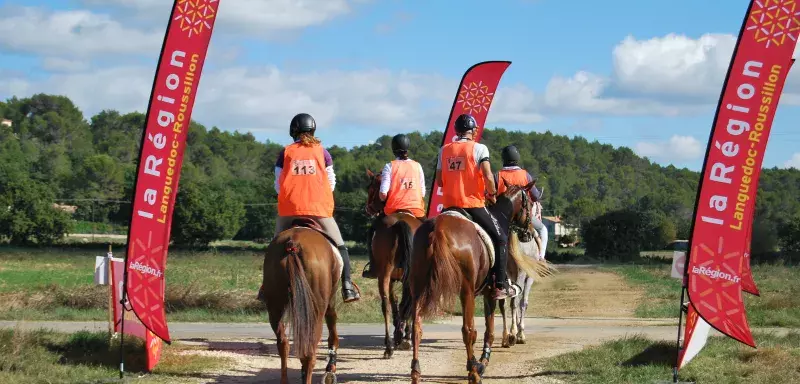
{"x": 43, "y": 356}
{"x": 640, "y": 360}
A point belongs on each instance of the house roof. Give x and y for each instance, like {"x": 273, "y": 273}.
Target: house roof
{"x": 554, "y": 219}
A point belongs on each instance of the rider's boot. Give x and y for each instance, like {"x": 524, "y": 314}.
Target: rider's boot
{"x": 368, "y": 272}
{"x": 349, "y": 289}
{"x": 503, "y": 289}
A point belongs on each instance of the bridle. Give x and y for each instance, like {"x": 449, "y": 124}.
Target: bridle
{"x": 370, "y": 198}
{"x": 524, "y": 231}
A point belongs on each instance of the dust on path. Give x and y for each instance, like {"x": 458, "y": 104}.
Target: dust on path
{"x": 583, "y": 292}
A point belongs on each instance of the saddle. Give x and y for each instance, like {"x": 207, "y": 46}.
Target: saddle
{"x": 304, "y": 222}
{"x": 487, "y": 240}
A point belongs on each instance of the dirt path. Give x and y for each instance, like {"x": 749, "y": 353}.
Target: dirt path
{"x": 583, "y": 292}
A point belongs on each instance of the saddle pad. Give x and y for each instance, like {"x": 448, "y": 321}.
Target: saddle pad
{"x": 337, "y": 254}
{"x": 487, "y": 241}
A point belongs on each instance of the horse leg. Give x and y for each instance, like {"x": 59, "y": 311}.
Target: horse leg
{"x": 386, "y": 305}
{"x": 488, "y": 336}
{"x": 524, "y": 308}
{"x": 470, "y": 334}
{"x": 333, "y": 345}
{"x": 401, "y": 340}
{"x": 505, "y": 343}
{"x": 512, "y": 333}
{"x": 416, "y": 371}
{"x": 279, "y": 328}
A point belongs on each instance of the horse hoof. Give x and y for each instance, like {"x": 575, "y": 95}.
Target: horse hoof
{"x": 512, "y": 340}
{"x": 405, "y": 345}
{"x": 388, "y": 354}
{"x": 520, "y": 338}
{"x": 475, "y": 378}
{"x": 329, "y": 378}
{"x": 415, "y": 377}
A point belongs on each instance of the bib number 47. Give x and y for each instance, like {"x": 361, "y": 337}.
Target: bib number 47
{"x": 456, "y": 163}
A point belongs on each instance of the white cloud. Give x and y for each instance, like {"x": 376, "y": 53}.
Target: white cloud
{"x": 676, "y": 150}
{"x": 58, "y": 64}
{"x": 261, "y": 18}
{"x": 77, "y": 33}
{"x": 673, "y": 65}
{"x": 794, "y": 162}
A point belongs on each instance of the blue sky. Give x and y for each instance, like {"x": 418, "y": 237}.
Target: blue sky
{"x": 642, "y": 74}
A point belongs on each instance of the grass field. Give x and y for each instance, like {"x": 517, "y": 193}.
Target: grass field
{"x": 778, "y": 305}
{"x": 43, "y": 356}
{"x": 220, "y": 285}
{"x": 723, "y": 361}
{"x": 57, "y": 284}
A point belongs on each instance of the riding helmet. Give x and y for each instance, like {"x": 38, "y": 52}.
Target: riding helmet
{"x": 302, "y": 123}
{"x": 510, "y": 155}
{"x": 465, "y": 123}
{"x": 400, "y": 144}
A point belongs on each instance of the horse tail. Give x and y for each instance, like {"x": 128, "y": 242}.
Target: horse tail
{"x": 404, "y": 245}
{"x": 529, "y": 265}
{"x": 443, "y": 275}
{"x": 304, "y": 308}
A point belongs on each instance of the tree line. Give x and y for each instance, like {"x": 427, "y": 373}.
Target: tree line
{"x": 52, "y": 153}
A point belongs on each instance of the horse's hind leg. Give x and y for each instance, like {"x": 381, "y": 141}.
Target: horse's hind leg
{"x": 384, "y": 287}
{"x": 333, "y": 344}
{"x": 470, "y": 334}
{"x": 279, "y": 328}
{"x": 416, "y": 371}
{"x": 401, "y": 340}
{"x": 488, "y": 336}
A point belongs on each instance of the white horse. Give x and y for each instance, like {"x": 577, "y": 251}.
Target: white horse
{"x": 519, "y": 304}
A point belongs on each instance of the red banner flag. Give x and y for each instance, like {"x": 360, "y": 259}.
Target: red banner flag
{"x": 727, "y": 191}
{"x": 474, "y": 96}
{"x": 163, "y": 143}
{"x": 133, "y": 327}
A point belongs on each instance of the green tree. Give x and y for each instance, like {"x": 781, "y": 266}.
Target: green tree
{"x": 204, "y": 213}
{"x": 27, "y": 214}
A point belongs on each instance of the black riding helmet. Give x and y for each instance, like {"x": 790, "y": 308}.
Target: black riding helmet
{"x": 400, "y": 145}
{"x": 510, "y": 155}
{"x": 302, "y": 123}
{"x": 465, "y": 123}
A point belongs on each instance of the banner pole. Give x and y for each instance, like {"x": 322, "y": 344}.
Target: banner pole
{"x": 110, "y": 293}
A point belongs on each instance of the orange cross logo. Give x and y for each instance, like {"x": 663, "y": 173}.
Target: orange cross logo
{"x": 195, "y": 15}
{"x": 475, "y": 98}
{"x": 774, "y": 21}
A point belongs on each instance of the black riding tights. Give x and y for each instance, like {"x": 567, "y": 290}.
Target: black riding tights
{"x": 487, "y": 221}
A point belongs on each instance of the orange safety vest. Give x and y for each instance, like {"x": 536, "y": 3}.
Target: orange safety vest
{"x": 404, "y": 191}
{"x": 304, "y": 186}
{"x": 462, "y": 180}
{"x": 513, "y": 177}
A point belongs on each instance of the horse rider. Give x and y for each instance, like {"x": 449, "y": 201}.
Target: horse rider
{"x": 513, "y": 174}
{"x": 304, "y": 180}
{"x": 465, "y": 175}
{"x": 402, "y": 188}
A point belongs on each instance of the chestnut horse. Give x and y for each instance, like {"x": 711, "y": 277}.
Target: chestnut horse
{"x": 391, "y": 251}
{"x": 450, "y": 259}
{"x": 301, "y": 271}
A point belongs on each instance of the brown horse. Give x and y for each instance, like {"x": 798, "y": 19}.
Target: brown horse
{"x": 450, "y": 259}
{"x": 301, "y": 271}
{"x": 391, "y": 250}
